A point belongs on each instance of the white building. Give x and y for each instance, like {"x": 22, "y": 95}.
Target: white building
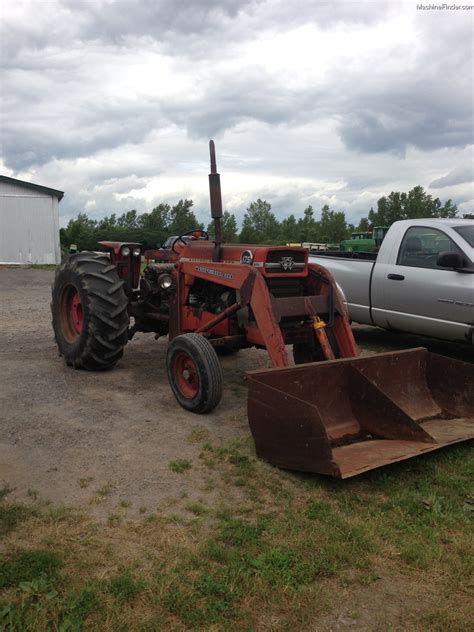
{"x": 29, "y": 222}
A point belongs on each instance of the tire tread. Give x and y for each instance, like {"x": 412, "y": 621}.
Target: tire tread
{"x": 105, "y": 335}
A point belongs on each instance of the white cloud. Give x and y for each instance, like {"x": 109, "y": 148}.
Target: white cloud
{"x": 310, "y": 102}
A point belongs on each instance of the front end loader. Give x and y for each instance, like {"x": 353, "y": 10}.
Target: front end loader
{"x": 333, "y": 413}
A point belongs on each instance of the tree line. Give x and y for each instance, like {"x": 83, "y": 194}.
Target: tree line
{"x": 260, "y": 225}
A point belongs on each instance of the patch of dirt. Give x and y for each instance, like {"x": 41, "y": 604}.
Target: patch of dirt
{"x": 392, "y": 597}
{"x": 97, "y": 439}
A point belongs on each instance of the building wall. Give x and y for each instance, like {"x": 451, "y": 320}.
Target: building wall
{"x": 29, "y": 226}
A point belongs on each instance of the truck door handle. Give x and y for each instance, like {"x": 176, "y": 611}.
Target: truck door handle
{"x": 395, "y": 277}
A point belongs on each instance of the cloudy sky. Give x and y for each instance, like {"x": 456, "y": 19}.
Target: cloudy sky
{"x": 309, "y": 102}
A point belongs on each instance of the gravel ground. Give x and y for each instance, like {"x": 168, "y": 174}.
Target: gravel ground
{"x": 105, "y": 439}
{"x": 77, "y": 437}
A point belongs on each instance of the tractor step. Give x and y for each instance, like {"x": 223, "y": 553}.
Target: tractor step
{"x": 344, "y": 417}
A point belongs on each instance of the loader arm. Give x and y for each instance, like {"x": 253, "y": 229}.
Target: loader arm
{"x": 254, "y": 292}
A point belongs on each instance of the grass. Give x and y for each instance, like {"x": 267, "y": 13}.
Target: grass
{"x": 180, "y": 465}
{"x": 275, "y": 551}
{"x": 37, "y": 266}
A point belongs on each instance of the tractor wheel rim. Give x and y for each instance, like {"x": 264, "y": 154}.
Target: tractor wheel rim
{"x": 71, "y": 313}
{"x": 186, "y": 376}
{"x": 77, "y": 315}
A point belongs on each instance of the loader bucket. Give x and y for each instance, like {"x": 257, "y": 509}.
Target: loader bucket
{"x": 344, "y": 417}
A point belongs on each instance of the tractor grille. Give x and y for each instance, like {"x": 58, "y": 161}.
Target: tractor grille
{"x": 284, "y": 261}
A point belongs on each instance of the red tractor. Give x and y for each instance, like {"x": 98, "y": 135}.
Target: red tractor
{"x": 211, "y": 298}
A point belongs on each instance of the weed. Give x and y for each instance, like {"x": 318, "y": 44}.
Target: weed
{"x": 124, "y": 587}
{"x": 198, "y": 509}
{"x": 4, "y": 491}
{"x": 40, "y": 266}
{"x": 114, "y": 519}
{"x": 77, "y": 606}
{"x": 105, "y": 490}
{"x": 180, "y": 465}
{"x": 282, "y": 567}
{"x": 318, "y": 509}
{"x": 59, "y": 513}
{"x": 26, "y": 566}
{"x": 197, "y": 435}
{"x": 12, "y": 515}
{"x": 236, "y": 532}
{"x": 33, "y": 494}
{"x": 85, "y": 482}
{"x": 125, "y": 503}
{"x": 240, "y": 460}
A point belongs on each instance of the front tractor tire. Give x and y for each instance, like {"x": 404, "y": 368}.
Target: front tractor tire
{"x": 89, "y": 309}
{"x": 194, "y": 373}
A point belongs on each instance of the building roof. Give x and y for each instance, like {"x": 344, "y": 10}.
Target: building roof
{"x": 34, "y": 187}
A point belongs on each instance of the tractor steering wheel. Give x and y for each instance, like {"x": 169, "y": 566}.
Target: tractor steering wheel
{"x": 189, "y": 232}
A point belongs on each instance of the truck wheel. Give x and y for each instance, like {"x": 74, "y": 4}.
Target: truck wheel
{"x": 89, "y": 308}
{"x": 194, "y": 373}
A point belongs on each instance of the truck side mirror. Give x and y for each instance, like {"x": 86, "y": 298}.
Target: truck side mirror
{"x": 449, "y": 260}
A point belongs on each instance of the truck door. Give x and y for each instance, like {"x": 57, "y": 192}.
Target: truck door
{"x": 423, "y": 298}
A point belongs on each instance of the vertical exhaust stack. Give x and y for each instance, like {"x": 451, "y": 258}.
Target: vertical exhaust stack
{"x": 216, "y": 202}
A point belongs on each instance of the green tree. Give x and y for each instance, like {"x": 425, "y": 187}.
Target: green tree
{"x": 289, "y": 232}
{"x": 308, "y": 227}
{"x": 154, "y": 226}
{"x": 82, "y": 232}
{"x": 333, "y": 227}
{"x": 182, "y": 218}
{"x": 417, "y": 203}
{"x": 364, "y": 225}
{"x": 260, "y": 225}
{"x": 157, "y": 220}
{"x": 107, "y": 222}
{"x": 228, "y": 227}
{"x": 128, "y": 220}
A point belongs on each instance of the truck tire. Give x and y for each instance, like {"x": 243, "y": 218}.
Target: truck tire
{"x": 194, "y": 373}
{"x": 89, "y": 309}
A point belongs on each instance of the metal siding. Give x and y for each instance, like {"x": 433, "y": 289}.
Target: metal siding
{"x": 29, "y": 227}
{"x": 11, "y": 188}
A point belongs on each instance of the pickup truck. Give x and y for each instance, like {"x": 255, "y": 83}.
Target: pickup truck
{"x": 421, "y": 281}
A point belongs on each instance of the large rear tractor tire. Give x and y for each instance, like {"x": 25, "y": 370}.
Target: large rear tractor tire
{"x": 89, "y": 308}
{"x": 194, "y": 373}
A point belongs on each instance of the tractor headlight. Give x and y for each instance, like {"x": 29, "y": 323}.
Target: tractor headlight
{"x": 137, "y": 252}
{"x": 125, "y": 251}
{"x": 165, "y": 281}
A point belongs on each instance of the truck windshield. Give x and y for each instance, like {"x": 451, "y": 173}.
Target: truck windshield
{"x": 467, "y": 233}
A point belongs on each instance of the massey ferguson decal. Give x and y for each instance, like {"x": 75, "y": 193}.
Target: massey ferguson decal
{"x": 246, "y": 257}
{"x": 211, "y": 271}
{"x": 287, "y": 263}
